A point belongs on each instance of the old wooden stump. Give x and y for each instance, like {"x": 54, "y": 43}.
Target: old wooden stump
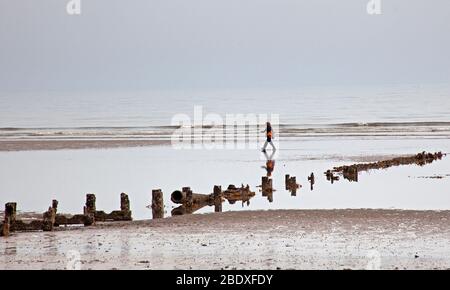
{"x": 89, "y": 209}
{"x": 217, "y": 193}
{"x": 49, "y": 217}
{"x": 157, "y": 204}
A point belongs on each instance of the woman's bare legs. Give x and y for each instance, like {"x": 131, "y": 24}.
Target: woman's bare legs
{"x": 265, "y": 146}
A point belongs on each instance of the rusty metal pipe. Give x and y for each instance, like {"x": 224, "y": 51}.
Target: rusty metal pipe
{"x": 179, "y": 197}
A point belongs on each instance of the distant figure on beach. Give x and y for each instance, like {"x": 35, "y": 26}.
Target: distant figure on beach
{"x": 269, "y": 136}
{"x": 270, "y": 164}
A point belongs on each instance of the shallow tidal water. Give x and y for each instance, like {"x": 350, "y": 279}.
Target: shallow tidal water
{"x": 34, "y": 178}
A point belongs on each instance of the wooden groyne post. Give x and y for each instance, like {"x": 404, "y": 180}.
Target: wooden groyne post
{"x": 189, "y": 200}
{"x": 10, "y": 218}
{"x": 124, "y": 202}
{"x": 55, "y": 205}
{"x": 125, "y": 209}
{"x": 89, "y": 209}
{"x": 49, "y": 217}
{"x": 290, "y": 183}
{"x": 267, "y": 188}
{"x": 266, "y": 185}
{"x": 217, "y": 194}
{"x": 312, "y": 181}
{"x": 157, "y": 204}
{"x": 5, "y": 228}
{"x": 11, "y": 211}
{"x": 293, "y": 186}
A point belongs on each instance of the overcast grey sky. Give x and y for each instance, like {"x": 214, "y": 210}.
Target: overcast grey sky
{"x": 157, "y": 44}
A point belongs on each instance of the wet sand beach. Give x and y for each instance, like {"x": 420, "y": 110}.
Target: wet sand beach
{"x": 274, "y": 239}
{"x": 34, "y": 178}
{"x": 32, "y": 145}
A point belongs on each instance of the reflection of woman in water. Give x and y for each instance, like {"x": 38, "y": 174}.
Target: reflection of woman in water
{"x": 269, "y": 136}
{"x": 270, "y": 164}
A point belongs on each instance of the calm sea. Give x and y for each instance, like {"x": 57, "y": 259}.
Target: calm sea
{"x": 400, "y": 110}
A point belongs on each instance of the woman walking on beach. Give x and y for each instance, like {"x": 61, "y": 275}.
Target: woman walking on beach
{"x": 269, "y": 136}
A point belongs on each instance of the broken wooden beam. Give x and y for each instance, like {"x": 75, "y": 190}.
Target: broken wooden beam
{"x": 191, "y": 202}
{"x": 12, "y": 224}
{"x": 78, "y": 219}
{"x": 124, "y": 214}
{"x": 86, "y": 219}
{"x": 350, "y": 172}
{"x": 233, "y": 194}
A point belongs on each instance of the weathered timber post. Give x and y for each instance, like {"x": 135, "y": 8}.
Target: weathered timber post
{"x": 217, "y": 198}
{"x": 293, "y": 181}
{"x": 90, "y": 203}
{"x": 89, "y": 209}
{"x": 286, "y": 181}
{"x": 157, "y": 204}
{"x": 49, "y": 217}
{"x": 293, "y": 185}
{"x": 266, "y": 185}
{"x": 11, "y": 215}
{"x": 124, "y": 202}
{"x": 270, "y": 196}
{"x": 10, "y": 218}
{"x": 48, "y": 220}
{"x": 11, "y": 210}
{"x": 55, "y": 205}
{"x": 125, "y": 206}
{"x": 312, "y": 180}
{"x": 267, "y": 188}
{"x": 5, "y": 228}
